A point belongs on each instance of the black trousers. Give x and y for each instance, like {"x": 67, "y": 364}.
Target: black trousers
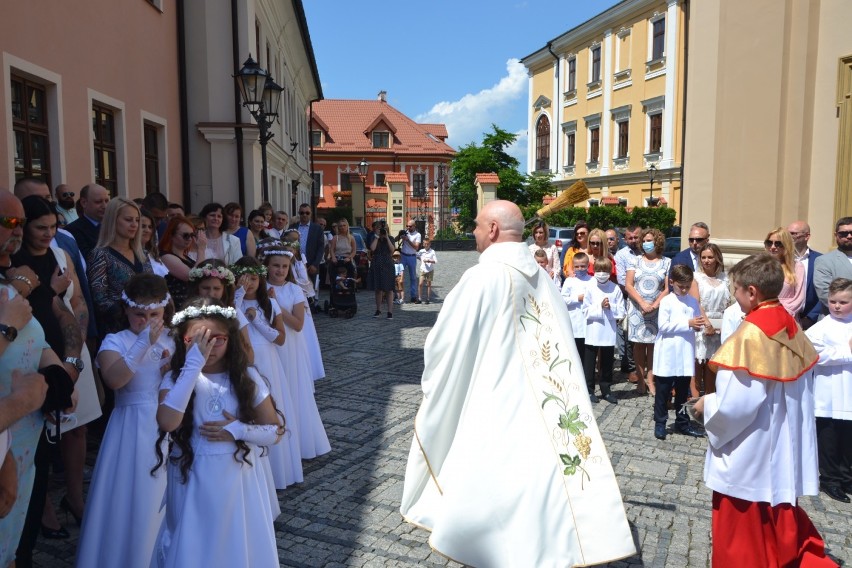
{"x": 32, "y": 524}
{"x": 661, "y": 398}
{"x": 834, "y": 448}
{"x": 590, "y": 354}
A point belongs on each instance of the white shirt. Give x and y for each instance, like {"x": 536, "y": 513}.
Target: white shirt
{"x": 572, "y": 289}
{"x": 415, "y": 240}
{"x": 732, "y": 317}
{"x": 600, "y": 323}
{"x": 624, "y": 259}
{"x": 674, "y": 347}
{"x": 833, "y": 373}
{"x": 425, "y": 255}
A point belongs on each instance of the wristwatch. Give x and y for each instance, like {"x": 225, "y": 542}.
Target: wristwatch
{"x": 77, "y": 362}
{"x": 9, "y": 332}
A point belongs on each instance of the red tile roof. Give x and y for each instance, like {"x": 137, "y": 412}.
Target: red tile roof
{"x": 396, "y": 177}
{"x": 437, "y": 130}
{"x": 349, "y": 123}
{"x": 487, "y": 178}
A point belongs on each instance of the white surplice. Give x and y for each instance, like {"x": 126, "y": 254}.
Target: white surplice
{"x": 674, "y": 348}
{"x": 833, "y": 373}
{"x": 490, "y": 471}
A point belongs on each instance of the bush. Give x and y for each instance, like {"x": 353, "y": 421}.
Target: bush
{"x": 607, "y": 216}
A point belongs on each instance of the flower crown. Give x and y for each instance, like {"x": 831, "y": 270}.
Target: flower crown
{"x": 152, "y": 306}
{"x": 240, "y": 270}
{"x": 268, "y": 244}
{"x": 278, "y": 252}
{"x": 210, "y": 271}
{"x": 292, "y": 244}
{"x": 192, "y": 312}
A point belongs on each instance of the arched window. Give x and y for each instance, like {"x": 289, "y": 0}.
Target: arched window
{"x": 542, "y": 144}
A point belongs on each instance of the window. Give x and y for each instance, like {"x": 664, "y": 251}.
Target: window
{"x": 658, "y": 42}
{"x": 381, "y": 139}
{"x": 656, "y": 140}
{"x": 316, "y": 186}
{"x": 572, "y": 74}
{"x": 103, "y": 128}
{"x": 29, "y": 122}
{"x": 257, "y": 40}
{"x": 623, "y": 130}
{"x": 152, "y": 159}
{"x": 379, "y": 179}
{"x": 419, "y": 186}
{"x": 594, "y": 143}
{"x": 542, "y": 144}
{"x": 316, "y": 138}
{"x": 570, "y": 145}
{"x": 345, "y": 182}
{"x": 596, "y": 64}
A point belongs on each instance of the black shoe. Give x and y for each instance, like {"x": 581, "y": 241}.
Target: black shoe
{"x": 56, "y": 534}
{"x": 417, "y": 301}
{"x": 691, "y": 431}
{"x": 378, "y": 314}
{"x": 390, "y": 316}
{"x": 610, "y": 398}
{"x": 847, "y": 487}
{"x": 660, "y": 431}
{"x": 835, "y": 493}
{"x": 427, "y": 301}
{"x": 593, "y": 398}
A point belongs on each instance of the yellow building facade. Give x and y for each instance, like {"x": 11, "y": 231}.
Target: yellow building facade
{"x": 606, "y": 102}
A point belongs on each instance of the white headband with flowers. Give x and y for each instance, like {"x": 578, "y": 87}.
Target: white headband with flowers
{"x": 151, "y": 306}
{"x": 240, "y": 270}
{"x": 278, "y": 252}
{"x": 210, "y": 271}
{"x": 192, "y": 312}
{"x": 269, "y": 244}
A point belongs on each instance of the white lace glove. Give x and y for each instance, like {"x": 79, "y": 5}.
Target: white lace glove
{"x": 257, "y": 434}
{"x": 136, "y": 354}
{"x": 178, "y": 397}
{"x": 262, "y": 326}
{"x": 239, "y": 295}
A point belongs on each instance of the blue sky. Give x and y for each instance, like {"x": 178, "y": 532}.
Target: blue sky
{"x": 454, "y": 62}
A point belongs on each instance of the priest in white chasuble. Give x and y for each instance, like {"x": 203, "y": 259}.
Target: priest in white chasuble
{"x": 507, "y": 466}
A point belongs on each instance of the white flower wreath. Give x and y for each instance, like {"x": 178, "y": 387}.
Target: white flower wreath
{"x": 192, "y": 312}
{"x": 151, "y": 306}
{"x": 209, "y": 271}
{"x": 278, "y": 252}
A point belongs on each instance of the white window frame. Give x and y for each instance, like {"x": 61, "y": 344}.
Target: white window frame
{"x": 595, "y": 84}
{"x": 319, "y": 173}
{"x": 620, "y": 115}
{"x": 570, "y": 95}
{"x": 651, "y": 107}
{"x": 373, "y": 138}
{"x": 569, "y": 128}
{"x": 651, "y": 21}
{"x": 592, "y": 121}
{"x": 118, "y": 108}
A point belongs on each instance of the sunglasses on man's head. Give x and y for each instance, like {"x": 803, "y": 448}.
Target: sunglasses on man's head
{"x": 10, "y": 222}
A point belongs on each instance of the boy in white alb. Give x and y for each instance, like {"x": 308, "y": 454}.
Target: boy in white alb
{"x": 832, "y": 339}
{"x": 573, "y": 291}
{"x": 761, "y": 454}
{"x": 603, "y": 303}
{"x": 428, "y": 260}
{"x": 674, "y": 351}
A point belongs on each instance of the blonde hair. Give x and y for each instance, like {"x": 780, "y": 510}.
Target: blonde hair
{"x": 108, "y": 236}
{"x": 788, "y": 262}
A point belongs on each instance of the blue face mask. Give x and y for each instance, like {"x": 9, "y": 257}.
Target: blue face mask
{"x": 648, "y": 246}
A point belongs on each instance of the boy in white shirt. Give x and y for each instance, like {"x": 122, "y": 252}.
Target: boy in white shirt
{"x": 573, "y": 291}
{"x": 678, "y": 319}
{"x": 603, "y": 303}
{"x": 832, "y": 339}
{"x": 399, "y": 278}
{"x": 428, "y": 260}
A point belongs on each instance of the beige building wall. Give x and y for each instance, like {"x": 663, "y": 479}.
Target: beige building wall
{"x": 122, "y": 55}
{"x": 763, "y": 119}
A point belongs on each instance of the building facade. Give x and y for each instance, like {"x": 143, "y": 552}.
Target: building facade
{"x": 606, "y": 104}
{"x": 91, "y": 94}
{"x": 396, "y": 152}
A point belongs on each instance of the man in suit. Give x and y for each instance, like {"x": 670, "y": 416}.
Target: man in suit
{"x": 311, "y": 239}
{"x": 699, "y": 234}
{"x": 801, "y": 233}
{"x": 93, "y": 201}
{"x": 837, "y": 263}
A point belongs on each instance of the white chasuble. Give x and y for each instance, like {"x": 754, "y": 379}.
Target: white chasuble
{"x": 507, "y": 466}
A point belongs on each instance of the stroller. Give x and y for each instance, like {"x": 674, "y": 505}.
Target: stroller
{"x": 343, "y": 288}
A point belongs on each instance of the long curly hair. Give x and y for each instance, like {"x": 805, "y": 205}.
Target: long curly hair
{"x": 262, "y": 295}
{"x": 227, "y": 298}
{"x": 243, "y": 387}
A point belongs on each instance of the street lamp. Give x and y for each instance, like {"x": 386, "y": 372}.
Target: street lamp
{"x": 261, "y": 96}
{"x": 652, "y": 172}
{"x": 363, "y": 168}
{"x": 442, "y": 176}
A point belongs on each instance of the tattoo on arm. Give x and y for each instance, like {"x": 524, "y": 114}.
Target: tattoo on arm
{"x": 71, "y": 335}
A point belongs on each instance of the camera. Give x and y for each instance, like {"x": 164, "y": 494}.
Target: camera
{"x": 383, "y": 228}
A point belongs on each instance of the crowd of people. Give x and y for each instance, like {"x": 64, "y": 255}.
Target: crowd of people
{"x": 205, "y": 357}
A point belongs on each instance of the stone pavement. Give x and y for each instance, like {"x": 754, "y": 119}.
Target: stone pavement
{"x": 346, "y": 513}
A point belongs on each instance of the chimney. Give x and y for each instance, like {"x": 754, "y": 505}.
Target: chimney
{"x": 383, "y": 96}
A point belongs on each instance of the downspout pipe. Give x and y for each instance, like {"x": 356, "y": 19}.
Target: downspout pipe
{"x": 556, "y": 105}
{"x": 683, "y": 111}
{"x": 238, "y": 118}
{"x": 186, "y": 192}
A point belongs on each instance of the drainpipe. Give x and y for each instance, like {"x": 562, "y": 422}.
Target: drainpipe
{"x": 683, "y": 111}
{"x": 556, "y": 105}
{"x": 238, "y": 119}
{"x": 186, "y": 192}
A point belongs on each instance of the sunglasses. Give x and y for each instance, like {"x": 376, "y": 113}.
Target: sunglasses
{"x": 10, "y": 222}
{"x": 187, "y": 236}
{"x": 595, "y": 243}
{"x": 769, "y": 244}
{"x": 695, "y": 240}
{"x": 841, "y": 234}
{"x": 216, "y": 340}
{"x": 68, "y": 194}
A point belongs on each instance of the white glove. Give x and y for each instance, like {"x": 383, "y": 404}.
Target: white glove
{"x": 262, "y": 326}
{"x": 258, "y": 434}
{"x": 238, "y": 297}
{"x": 136, "y": 354}
{"x": 178, "y": 397}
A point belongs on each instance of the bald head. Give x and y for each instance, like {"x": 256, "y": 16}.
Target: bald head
{"x": 800, "y": 231}
{"x": 10, "y": 239}
{"x": 25, "y": 187}
{"x": 498, "y": 222}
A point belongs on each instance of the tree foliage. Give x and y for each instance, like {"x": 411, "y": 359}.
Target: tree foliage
{"x": 608, "y": 216}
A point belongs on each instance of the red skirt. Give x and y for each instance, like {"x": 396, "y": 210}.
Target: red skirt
{"x": 752, "y": 534}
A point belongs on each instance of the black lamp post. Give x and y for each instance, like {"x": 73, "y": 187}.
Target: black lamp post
{"x": 363, "y": 168}
{"x": 442, "y": 178}
{"x": 652, "y": 172}
{"x": 261, "y": 96}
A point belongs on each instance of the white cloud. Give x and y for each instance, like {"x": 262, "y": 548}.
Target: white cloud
{"x": 471, "y": 116}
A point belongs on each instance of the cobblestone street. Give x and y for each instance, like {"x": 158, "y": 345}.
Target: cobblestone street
{"x": 346, "y": 513}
